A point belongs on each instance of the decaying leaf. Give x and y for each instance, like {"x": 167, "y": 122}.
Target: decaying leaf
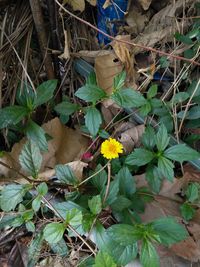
{"x": 77, "y": 5}
{"x": 106, "y": 68}
{"x": 145, "y": 4}
{"x": 129, "y": 135}
{"x": 67, "y": 145}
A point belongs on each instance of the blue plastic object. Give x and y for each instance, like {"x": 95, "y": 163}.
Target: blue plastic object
{"x": 110, "y": 18}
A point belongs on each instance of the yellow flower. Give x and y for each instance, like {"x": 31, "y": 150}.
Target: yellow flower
{"x": 111, "y": 148}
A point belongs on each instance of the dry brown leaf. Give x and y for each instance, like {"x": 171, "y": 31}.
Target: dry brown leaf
{"x": 67, "y": 145}
{"x": 92, "y": 2}
{"x": 90, "y": 56}
{"x": 136, "y": 20}
{"x": 122, "y": 51}
{"x": 77, "y": 5}
{"x": 145, "y": 4}
{"x": 106, "y": 68}
{"x": 129, "y": 135}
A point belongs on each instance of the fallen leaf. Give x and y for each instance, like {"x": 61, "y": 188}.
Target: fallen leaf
{"x": 92, "y": 2}
{"x": 106, "y": 68}
{"x": 145, "y": 4}
{"x": 77, "y": 5}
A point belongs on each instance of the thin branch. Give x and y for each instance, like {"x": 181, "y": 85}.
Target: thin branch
{"x": 127, "y": 42}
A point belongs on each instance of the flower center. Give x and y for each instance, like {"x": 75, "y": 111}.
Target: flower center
{"x": 112, "y": 148}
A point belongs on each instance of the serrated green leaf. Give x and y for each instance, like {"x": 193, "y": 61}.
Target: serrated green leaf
{"x": 122, "y": 254}
{"x": 90, "y": 93}
{"x": 65, "y": 174}
{"x": 166, "y": 167}
{"x": 123, "y": 234}
{"x": 162, "y": 138}
{"x": 112, "y": 194}
{"x": 60, "y": 248}
{"x": 37, "y": 135}
{"x": 152, "y": 91}
{"x": 66, "y": 108}
{"x": 139, "y": 157}
{"x": 148, "y": 255}
{"x": 187, "y": 211}
{"x": 12, "y": 115}
{"x": 36, "y": 203}
{"x": 45, "y": 92}
{"x": 26, "y": 96}
{"x": 91, "y": 79}
{"x": 145, "y": 109}
{"x": 183, "y": 38}
{"x": 11, "y": 195}
{"x": 95, "y": 204}
{"x": 127, "y": 185}
{"x": 179, "y": 98}
{"x": 30, "y": 226}
{"x": 169, "y": 230}
{"x": 148, "y": 138}
{"x": 121, "y": 203}
{"x": 30, "y": 158}
{"x": 42, "y": 189}
{"x": 74, "y": 217}
{"x": 193, "y": 192}
{"x": 53, "y": 232}
{"x": 34, "y": 250}
{"x": 103, "y": 259}
{"x": 128, "y": 98}
{"x": 154, "y": 178}
{"x": 181, "y": 153}
{"x": 119, "y": 80}
{"x": 93, "y": 120}
{"x": 99, "y": 180}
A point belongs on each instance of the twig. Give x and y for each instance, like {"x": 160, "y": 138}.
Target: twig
{"x": 127, "y": 42}
{"x": 108, "y": 183}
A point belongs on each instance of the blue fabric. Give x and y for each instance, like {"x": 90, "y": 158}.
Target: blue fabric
{"x": 109, "y": 18}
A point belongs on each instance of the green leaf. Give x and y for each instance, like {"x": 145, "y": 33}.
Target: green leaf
{"x": 45, "y": 92}
{"x": 164, "y": 62}
{"x": 60, "y": 248}
{"x": 123, "y": 234}
{"x": 103, "y": 259}
{"x": 128, "y": 98}
{"x": 193, "y": 192}
{"x": 74, "y": 217}
{"x": 34, "y": 250}
{"x": 31, "y": 158}
{"x": 91, "y": 79}
{"x": 63, "y": 207}
{"x": 148, "y": 138}
{"x": 90, "y": 93}
{"x": 148, "y": 255}
{"x": 112, "y": 194}
{"x": 42, "y": 189}
{"x": 194, "y": 88}
{"x": 145, "y": 109}
{"x": 187, "y": 211}
{"x": 194, "y": 113}
{"x": 179, "y": 98}
{"x": 169, "y": 231}
{"x": 93, "y": 120}
{"x": 95, "y": 204}
{"x": 26, "y": 96}
{"x": 12, "y": 194}
{"x": 12, "y": 115}
{"x": 139, "y": 157}
{"x": 99, "y": 180}
{"x": 36, "y": 203}
{"x": 53, "y": 232}
{"x": 30, "y": 226}
{"x": 152, "y": 91}
{"x": 65, "y": 174}
{"x": 66, "y": 108}
{"x": 121, "y": 203}
{"x": 154, "y": 178}
{"x": 126, "y": 182}
{"x": 122, "y": 254}
{"x": 119, "y": 80}
{"x": 103, "y": 134}
{"x": 166, "y": 167}
{"x": 37, "y": 135}
{"x": 183, "y": 38}
{"x": 162, "y": 138}
{"x": 181, "y": 153}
